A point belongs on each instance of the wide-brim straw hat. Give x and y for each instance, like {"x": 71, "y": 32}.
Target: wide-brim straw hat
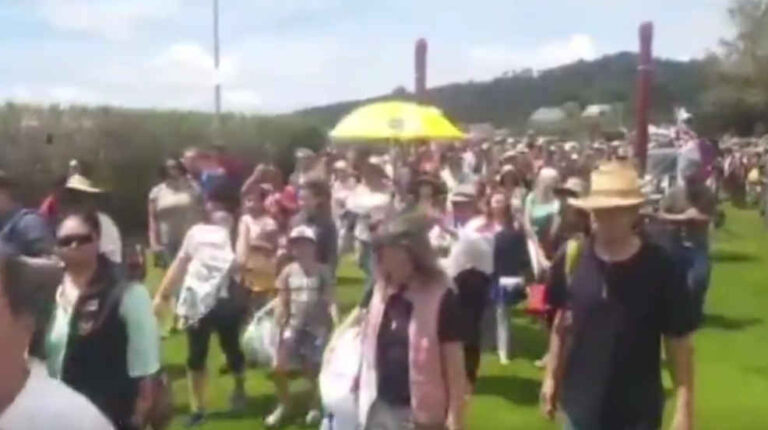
{"x": 573, "y": 187}
{"x": 613, "y": 185}
{"x": 83, "y": 184}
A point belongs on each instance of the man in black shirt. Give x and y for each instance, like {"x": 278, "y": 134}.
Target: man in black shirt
{"x": 618, "y": 298}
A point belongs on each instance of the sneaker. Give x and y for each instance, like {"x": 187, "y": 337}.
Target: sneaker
{"x": 238, "y": 401}
{"x": 195, "y": 419}
{"x": 276, "y": 417}
{"x": 314, "y": 417}
{"x": 504, "y": 361}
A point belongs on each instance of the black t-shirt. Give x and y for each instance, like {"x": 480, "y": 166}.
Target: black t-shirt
{"x": 620, "y": 311}
{"x": 394, "y": 379}
{"x": 510, "y": 253}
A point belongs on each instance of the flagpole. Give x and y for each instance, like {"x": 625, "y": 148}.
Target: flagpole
{"x": 217, "y": 81}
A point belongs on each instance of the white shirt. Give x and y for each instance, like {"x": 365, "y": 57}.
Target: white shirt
{"x": 45, "y": 403}
{"x": 209, "y": 248}
{"x": 371, "y": 207}
{"x": 111, "y": 243}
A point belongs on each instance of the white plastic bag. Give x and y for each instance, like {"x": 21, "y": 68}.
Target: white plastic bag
{"x": 338, "y": 376}
{"x": 261, "y": 336}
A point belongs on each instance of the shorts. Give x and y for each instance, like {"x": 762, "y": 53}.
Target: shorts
{"x": 301, "y": 349}
{"x": 259, "y": 272}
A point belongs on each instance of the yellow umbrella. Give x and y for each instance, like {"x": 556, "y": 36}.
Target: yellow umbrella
{"x": 395, "y": 120}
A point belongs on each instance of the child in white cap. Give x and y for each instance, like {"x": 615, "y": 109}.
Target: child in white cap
{"x": 306, "y": 314}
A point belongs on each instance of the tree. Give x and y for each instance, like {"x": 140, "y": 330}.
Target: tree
{"x": 738, "y": 96}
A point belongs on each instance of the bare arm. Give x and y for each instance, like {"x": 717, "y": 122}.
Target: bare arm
{"x": 680, "y": 355}
{"x": 456, "y": 381}
{"x": 171, "y": 281}
{"x": 241, "y": 245}
{"x": 154, "y": 241}
{"x": 559, "y": 347}
{"x": 251, "y": 182}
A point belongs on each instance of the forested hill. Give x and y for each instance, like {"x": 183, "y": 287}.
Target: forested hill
{"x": 510, "y": 99}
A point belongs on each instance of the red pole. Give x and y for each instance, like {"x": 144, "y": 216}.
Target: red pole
{"x": 420, "y": 88}
{"x": 643, "y": 96}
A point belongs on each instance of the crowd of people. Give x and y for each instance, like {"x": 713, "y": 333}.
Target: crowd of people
{"x": 448, "y": 235}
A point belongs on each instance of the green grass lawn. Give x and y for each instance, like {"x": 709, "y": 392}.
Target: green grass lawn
{"x": 731, "y": 352}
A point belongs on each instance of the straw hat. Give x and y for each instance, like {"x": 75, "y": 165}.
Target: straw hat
{"x": 614, "y": 185}
{"x": 573, "y": 186}
{"x": 507, "y": 168}
{"x": 83, "y": 184}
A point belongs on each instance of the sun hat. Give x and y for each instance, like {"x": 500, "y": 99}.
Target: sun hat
{"x": 380, "y": 162}
{"x": 304, "y": 153}
{"x": 83, "y": 184}
{"x": 341, "y": 165}
{"x": 573, "y": 187}
{"x": 614, "y": 185}
{"x": 405, "y": 229}
{"x": 507, "y": 168}
{"x": 302, "y": 232}
{"x": 509, "y": 154}
{"x": 463, "y": 193}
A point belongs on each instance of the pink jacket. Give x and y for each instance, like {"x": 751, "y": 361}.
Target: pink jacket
{"x": 431, "y": 394}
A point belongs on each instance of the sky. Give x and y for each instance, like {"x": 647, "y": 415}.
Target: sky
{"x": 282, "y": 55}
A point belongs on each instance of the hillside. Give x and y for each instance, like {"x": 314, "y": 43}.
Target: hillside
{"x": 509, "y": 100}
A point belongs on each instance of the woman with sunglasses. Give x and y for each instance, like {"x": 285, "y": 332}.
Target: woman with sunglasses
{"x": 103, "y": 339}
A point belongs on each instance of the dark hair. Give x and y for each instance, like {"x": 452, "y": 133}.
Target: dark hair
{"x": 28, "y": 284}
{"x": 163, "y": 171}
{"x": 225, "y": 194}
{"x": 322, "y": 191}
{"x": 87, "y": 217}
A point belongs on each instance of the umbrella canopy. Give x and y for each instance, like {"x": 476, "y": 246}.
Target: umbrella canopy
{"x": 395, "y": 120}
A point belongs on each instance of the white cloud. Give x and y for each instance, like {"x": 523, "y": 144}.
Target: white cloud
{"x": 499, "y": 58}
{"x": 57, "y": 93}
{"x": 189, "y": 64}
{"x": 112, "y": 19}
{"x": 241, "y": 99}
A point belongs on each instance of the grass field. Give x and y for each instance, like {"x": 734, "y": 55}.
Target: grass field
{"x": 731, "y": 352}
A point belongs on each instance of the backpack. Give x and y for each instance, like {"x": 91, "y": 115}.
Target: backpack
{"x": 9, "y": 233}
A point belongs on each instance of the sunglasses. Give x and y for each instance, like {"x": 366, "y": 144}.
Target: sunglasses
{"x": 75, "y": 240}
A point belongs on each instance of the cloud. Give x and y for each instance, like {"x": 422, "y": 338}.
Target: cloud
{"x": 189, "y": 64}
{"x": 499, "y": 58}
{"x": 57, "y": 93}
{"x": 112, "y": 19}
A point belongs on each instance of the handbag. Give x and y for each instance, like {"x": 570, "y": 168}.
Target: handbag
{"x": 537, "y": 300}
{"x": 261, "y": 336}
{"x": 339, "y": 376}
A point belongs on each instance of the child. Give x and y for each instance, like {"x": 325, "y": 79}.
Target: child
{"x": 306, "y": 313}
